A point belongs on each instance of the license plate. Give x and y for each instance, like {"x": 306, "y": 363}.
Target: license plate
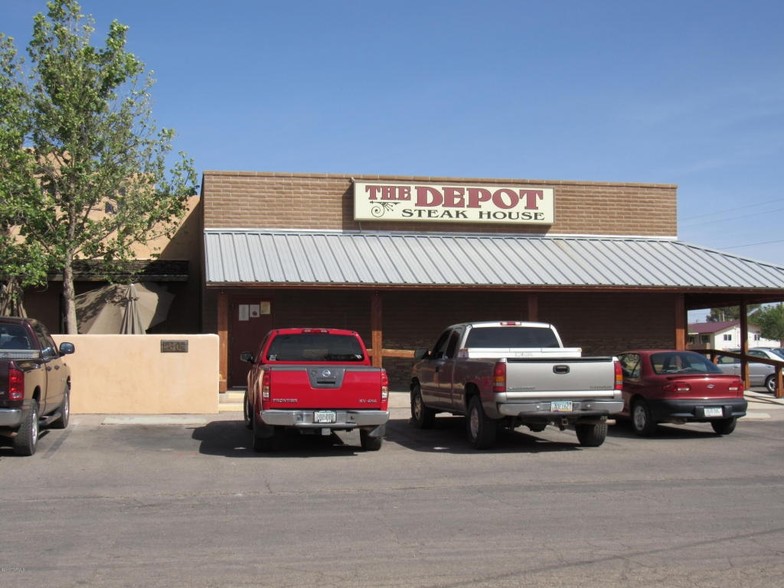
{"x": 714, "y": 412}
{"x": 325, "y": 416}
{"x": 561, "y": 406}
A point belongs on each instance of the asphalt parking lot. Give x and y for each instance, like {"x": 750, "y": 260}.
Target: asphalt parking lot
{"x": 182, "y": 500}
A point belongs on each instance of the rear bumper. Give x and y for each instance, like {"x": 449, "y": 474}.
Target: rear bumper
{"x": 543, "y": 409}
{"x": 10, "y": 417}
{"x": 306, "y": 419}
{"x": 694, "y": 410}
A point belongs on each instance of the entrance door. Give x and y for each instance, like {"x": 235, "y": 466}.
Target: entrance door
{"x": 249, "y": 321}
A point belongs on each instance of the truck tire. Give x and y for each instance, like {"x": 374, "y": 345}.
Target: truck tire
{"x": 422, "y": 416}
{"x": 642, "y": 419}
{"x": 65, "y": 412}
{"x": 480, "y": 429}
{"x": 724, "y": 426}
{"x": 370, "y": 443}
{"x": 247, "y": 411}
{"x": 26, "y": 439}
{"x": 261, "y": 444}
{"x": 591, "y": 435}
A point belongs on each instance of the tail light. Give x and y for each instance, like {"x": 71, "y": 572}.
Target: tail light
{"x": 265, "y": 386}
{"x": 618, "y": 375}
{"x": 15, "y": 383}
{"x": 676, "y": 387}
{"x": 499, "y": 377}
{"x": 384, "y": 385}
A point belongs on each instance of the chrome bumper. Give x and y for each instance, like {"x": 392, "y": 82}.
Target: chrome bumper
{"x": 306, "y": 419}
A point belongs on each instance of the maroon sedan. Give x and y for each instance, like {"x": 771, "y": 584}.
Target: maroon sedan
{"x": 669, "y": 386}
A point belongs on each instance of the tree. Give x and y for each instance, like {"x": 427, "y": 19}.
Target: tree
{"x": 728, "y": 313}
{"x": 770, "y": 320}
{"x": 98, "y": 160}
{"x": 24, "y": 264}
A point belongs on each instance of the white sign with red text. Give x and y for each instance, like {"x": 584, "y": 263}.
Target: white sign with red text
{"x": 391, "y": 201}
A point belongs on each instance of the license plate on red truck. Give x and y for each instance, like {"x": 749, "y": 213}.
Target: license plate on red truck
{"x": 325, "y": 416}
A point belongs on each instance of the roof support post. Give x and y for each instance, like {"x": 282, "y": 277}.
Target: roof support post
{"x": 377, "y": 334}
{"x": 681, "y": 321}
{"x": 744, "y": 343}
{"x": 223, "y": 340}
{"x": 533, "y": 307}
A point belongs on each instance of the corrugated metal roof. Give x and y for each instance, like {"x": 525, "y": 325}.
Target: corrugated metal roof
{"x": 328, "y": 258}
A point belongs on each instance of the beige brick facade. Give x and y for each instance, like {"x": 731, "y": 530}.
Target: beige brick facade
{"x": 318, "y": 202}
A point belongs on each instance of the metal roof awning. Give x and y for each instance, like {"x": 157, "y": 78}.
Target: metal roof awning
{"x": 239, "y": 257}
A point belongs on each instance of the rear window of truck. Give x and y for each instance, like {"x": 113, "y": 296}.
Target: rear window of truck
{"x": 509, "y": 337}
{"x": 315, "y": 347}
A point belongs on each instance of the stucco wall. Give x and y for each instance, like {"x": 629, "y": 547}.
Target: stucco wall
{"x": 129, "y": 374}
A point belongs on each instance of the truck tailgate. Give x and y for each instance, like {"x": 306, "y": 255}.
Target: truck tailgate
{"x": 564, "y": 377}
{"x": 324, "y": 386}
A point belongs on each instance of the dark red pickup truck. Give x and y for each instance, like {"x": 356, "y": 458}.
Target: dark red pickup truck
{"x": 315, "y": 381}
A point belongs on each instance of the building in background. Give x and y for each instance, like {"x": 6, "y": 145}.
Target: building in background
{"x": 725, "y": 335}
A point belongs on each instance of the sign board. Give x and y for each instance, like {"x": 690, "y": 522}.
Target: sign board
{"x": 392, "y": 201}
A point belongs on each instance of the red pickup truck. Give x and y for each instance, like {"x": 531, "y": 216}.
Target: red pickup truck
{"x": 315, "y": 381}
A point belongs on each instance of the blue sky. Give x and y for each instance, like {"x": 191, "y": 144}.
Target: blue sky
{"x": 686, "y": 92}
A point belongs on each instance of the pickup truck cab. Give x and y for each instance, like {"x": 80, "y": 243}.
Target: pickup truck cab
{"x": 35, "y": 382}
{"x": 315, "y": 381}
{"x": 507, "y": 374}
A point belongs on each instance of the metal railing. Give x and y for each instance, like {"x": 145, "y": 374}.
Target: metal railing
{"x": 745, "y": 360}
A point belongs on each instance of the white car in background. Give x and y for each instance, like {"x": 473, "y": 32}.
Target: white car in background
{"x": 760, "y": 374}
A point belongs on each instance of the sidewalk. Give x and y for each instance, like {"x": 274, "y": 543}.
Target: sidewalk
{"x": 761, "y": 407}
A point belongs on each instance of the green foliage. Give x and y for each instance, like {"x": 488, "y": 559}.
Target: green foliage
{"x": 728, "y": 313}
{"x": 770, "y": 320}
{"x": 84, "y": 115}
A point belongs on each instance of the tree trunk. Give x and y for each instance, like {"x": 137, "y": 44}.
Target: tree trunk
{"x": 69, "y": 297}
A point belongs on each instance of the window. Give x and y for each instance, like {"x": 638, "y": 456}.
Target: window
{"x": 728, "y": 337}
{"x": 705, "y": 338}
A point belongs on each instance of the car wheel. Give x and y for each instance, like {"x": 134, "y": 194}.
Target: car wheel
{"x": 422, "y": 416}
{"x": 370, "y": 443}
{"x": 65, "y": 412}
{"x": 770, "y": 384}
{"x": 591, "y": 435}
{"x": 247, "y": 413}
{"x": 642, "y": 420}
{"x": 724, "y": 426}
{"x": 480, "y": 429}
{"x": 26, "y": 439}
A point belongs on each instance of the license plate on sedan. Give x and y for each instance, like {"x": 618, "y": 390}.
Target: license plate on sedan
{"x": 561, "y": 406}
{"x": 714, "y": 412}
{"x": 325, "y": 416}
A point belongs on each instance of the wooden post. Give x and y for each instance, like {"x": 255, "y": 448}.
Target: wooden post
{"x": 744, "y": 344}
{"x": 533, "y": 307}
{"x": 223, "y": 340}
{"x": 377, "y": 335}
{"x": 681, "y": 322}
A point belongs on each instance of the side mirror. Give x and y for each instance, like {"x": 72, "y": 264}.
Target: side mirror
{"x": 247, "y": 357}
{"x": 421, "y": 353}
{"x": 67, "y": 348}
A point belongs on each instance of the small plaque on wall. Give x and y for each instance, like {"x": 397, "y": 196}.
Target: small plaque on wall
{"x": 174, "y": 346}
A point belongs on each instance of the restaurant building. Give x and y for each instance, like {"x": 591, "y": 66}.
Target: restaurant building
{"x": 399, "y": 258}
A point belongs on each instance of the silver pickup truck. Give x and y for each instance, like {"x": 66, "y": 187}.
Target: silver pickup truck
{"x": 510, "y": 374}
